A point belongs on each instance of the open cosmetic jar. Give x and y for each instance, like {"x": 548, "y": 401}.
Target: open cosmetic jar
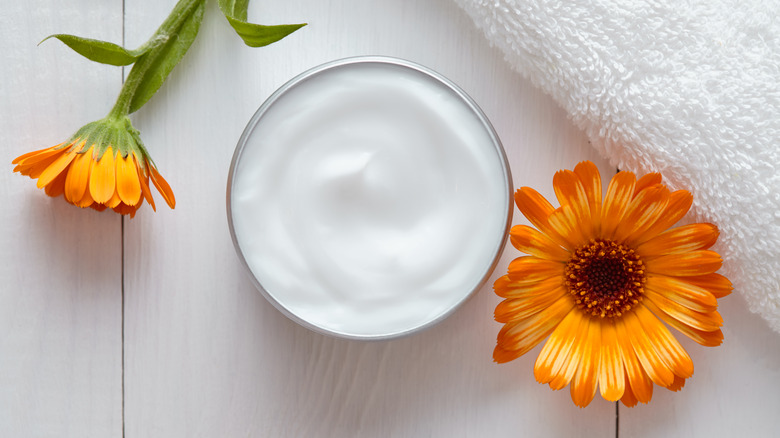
{"x": 369, "y": 198}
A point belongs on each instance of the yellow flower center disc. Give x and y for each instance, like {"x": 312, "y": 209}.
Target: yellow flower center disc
{"x": 606, "y": 279}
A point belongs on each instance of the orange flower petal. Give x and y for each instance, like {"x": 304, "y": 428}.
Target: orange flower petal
{"x": 531, "y": 241}
{"x": 647, "y": 181}
{"x": 682, "y": 292}
{"x": 679, "y": 204}
{"x": 687, "y": 264}
{"x": 56, "y": 187}
{"x": 645, "y": 351}
{"x": 506, "y": 288}
{"x": 33, "y": 164}
{"x": 628, "y": 399}
{"x": 702, "y": 321}
{"x": 533, "y": 269}
{"x": 162, "y": 187}
{"x": 612, "y": 379}
{"x": 144, "y": 181}
{"x": 677, "y": 385}
{"x": 503, "y": 356}
{"x": 570, "y": 192}
{"x": 512, "y": 309}
{"x": 641, "y": 214}
{"x": 98, "y": 207}
{"x": 706, "y": 338}
{"x": 127, "y": 184}
{"x": 518, "y": 337}
{"x": 114, "y": 201}
{"x": 102, "y": 180}
{"x": 681, "y": 239}
{"x": 667, "y": 347}
{"x": 125, "y": 209}
{"x": 590, "y": 178}
{"x": 562, "y": 222}
{"x": 35, "y": 170}
{"x": 25, "y": 170}
{"x": 537, "y": 210}
{"x": 86, "y": 200}
{"x": 40, "y": 166}
{"x": 18, "y": 159}
{"x": 638, "y": 382}
{"x": 564, "y": 371}
{"x": 555, "y": 353}
{"x": 78, "y": 177}
{"x": 616, "y": 201}
{"x": 39, "y": 155}
{"x": 55, "y": 168}
{"x": 583, "y": 386}
{"x": 718, "y": 285}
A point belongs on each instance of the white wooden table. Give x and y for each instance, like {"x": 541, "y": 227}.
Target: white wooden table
{"x": 149, "y": 327}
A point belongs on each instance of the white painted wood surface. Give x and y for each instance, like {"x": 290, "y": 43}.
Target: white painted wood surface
{"x": 60, "y": 267}
{"x": 204, "y": 353}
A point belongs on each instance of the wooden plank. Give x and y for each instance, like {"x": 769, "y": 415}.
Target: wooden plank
{"x": 60, "y": 267}
{"x": 206, "y": 355}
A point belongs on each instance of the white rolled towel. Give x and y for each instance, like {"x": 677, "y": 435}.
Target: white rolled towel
{"x": 690, "y": 89}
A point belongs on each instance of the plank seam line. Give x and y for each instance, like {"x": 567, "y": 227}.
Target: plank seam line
{"x": 122, "y": 246}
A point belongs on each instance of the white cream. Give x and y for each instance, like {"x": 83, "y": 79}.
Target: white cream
{"x": 369, "y": 200}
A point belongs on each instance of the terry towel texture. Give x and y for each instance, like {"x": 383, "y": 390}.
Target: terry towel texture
{"x": 685, "y": 88}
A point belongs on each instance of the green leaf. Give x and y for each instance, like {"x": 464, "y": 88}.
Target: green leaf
{"x": 100, "y": 51}
{"x": 257, "y": 35}
{"x": 159, "y": 62}
{"x": 254, "y": 35}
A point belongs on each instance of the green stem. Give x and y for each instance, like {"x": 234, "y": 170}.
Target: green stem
{"x": 168, "y": 29}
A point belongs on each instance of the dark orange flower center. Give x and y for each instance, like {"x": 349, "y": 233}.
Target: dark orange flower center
{"x": 606, "y": 279}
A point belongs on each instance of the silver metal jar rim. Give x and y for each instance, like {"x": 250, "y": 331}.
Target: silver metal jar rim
{"x": 378, "y": 60}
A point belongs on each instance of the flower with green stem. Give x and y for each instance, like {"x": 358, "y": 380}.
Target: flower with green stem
{"x": 105, "y": 164}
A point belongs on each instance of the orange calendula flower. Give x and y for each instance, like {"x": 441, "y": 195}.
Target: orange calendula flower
{"x": 104, "y": 165}
{"x": 601, "y": 278}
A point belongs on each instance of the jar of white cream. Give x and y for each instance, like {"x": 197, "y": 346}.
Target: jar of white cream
{"x": 369, "y": 197}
